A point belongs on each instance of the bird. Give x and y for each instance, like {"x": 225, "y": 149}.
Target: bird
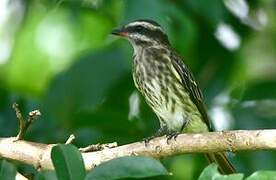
{"x": 168, "y": 85}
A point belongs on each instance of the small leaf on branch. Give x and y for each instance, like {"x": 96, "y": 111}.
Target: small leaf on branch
{"x": 68, "y": 162}
{"x": 128, "y": 167}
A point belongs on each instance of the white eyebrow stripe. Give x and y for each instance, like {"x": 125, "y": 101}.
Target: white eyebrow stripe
{"x": 145, "y": 24}
{"x": 144, "y": 38}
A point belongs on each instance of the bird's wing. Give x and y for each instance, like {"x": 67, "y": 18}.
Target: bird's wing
{"x": 189, "y": 83}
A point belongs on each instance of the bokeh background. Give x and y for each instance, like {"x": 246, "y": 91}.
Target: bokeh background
{"x": 58, "y": 56}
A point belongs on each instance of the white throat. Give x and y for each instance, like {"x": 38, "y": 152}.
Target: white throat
{"x": 136, "y": 47}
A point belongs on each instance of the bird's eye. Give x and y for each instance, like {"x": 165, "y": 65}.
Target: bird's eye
{"x": 139, "y": 28}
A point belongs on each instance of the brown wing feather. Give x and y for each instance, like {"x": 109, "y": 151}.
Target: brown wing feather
{"x": 190, "y": 85}
{"x": 195, "y": 93}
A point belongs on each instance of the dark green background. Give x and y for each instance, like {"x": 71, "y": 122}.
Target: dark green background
{"x": 63, "y": 61}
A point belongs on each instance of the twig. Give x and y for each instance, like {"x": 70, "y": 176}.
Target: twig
{"x": 23, "y": 124}
{"x": 70, "y": 139}
{"x": 37, "y": 154}
{"x": 98, "y": 147}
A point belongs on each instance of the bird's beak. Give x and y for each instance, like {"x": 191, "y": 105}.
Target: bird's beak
{"x": 120, "y": 32}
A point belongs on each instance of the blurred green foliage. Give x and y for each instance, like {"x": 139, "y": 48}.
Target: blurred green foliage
{"x": 58, "y": 56}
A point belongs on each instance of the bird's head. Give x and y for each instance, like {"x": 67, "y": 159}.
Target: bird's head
{"x": 143, "y": 33}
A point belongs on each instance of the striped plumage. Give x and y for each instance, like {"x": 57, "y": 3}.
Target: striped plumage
{"x": 158, "y": 81}
{"x": 167, "y": 84}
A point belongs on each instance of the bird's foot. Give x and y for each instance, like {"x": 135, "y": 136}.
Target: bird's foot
{"x": 160, "y": 132}
{"x": 147, "y": 140}
{"x": 172, "y": 135}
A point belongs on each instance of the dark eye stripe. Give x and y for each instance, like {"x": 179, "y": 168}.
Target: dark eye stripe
{"x": 155, "y": 34}
{"x": 139, "y": 28}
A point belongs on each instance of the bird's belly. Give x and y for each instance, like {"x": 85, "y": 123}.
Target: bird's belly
{"x": 166, "y": 104}
{"x": 174, "y": 121}
{"x": 175, "y": 110}
{"x": 169, "y": 100}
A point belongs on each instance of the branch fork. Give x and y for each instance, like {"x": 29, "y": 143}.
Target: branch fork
{"x": 24, "y": 124}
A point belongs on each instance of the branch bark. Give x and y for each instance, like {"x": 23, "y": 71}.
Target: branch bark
{"x": 38, "y": 155}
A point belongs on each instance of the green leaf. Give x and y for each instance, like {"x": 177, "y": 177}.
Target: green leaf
{"x": 127, "y": 167}
{"x": 89, "y": 81}
{"x": 68, "y": 162}
{"x": 262, "y": 175}
{"x": 46, "y": 175}
{"x": 7, "y": 170}
{"x": 211, "y": 172}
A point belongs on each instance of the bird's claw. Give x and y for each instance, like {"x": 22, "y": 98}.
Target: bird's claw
{"x": 159, "y": 133}
{"x": 172, "y": 136}
{"x": 147, "y": 140}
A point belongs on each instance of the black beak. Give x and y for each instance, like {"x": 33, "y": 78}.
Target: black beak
{"x": 119, "y": 32}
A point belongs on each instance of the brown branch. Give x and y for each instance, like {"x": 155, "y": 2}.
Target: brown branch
{"x": 38, "y": 155}
{"x": 24, "y": 124}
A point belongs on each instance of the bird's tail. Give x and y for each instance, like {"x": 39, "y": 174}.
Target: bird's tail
{"x": 225, "y": 167}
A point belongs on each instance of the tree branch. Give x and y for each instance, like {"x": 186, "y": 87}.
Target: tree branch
{"x": 24, "y": 124}
{"x": 38, "y": 155}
